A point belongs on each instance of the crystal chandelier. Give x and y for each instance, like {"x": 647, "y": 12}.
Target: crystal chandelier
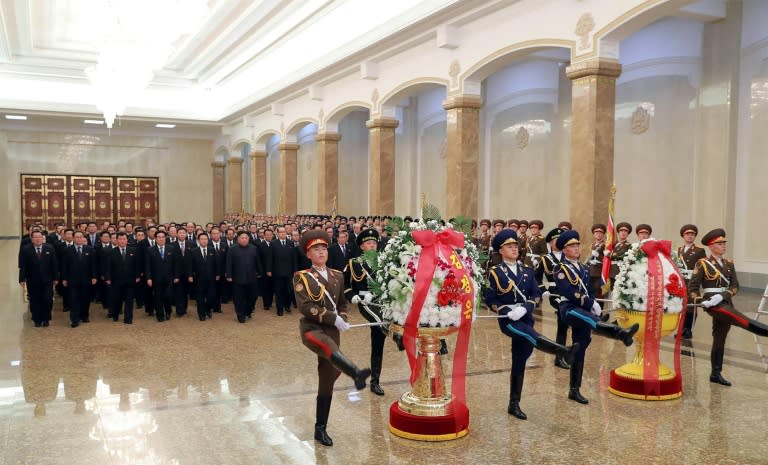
{"x": 139, "y": 36}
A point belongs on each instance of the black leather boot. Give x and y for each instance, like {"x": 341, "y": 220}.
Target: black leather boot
{"x": 399, "y": 341}
{"x": 350, "y": 369}
{"x": 617, "y": 332}
{"x": 322, "y": 409}
{"x": 515, "y": 390}
{"x": 375, "y": 372}
{"x": 560, "y": 351}
{"x": 577, "y": 368}
{"x": 717, "y": 366}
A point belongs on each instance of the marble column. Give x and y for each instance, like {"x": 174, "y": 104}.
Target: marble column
{"x": 288, "y": 176}
{"x": 234, "y": 185}
{"x": 381, "y": 165}
{"x": 217, "y": 168}
{"x": 327, "y": 170}
{"x": 592, "y": 129}
{"x": 259, "y": 181}
{"x": 462, "y": 155}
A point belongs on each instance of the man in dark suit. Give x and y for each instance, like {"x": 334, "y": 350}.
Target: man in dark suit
{"x": 161, "y": 272}
{"x": 243, "y": 269}
{"x": 339, "y": 253}
{"x": 204, "y": 273}
{"x": 230, "y": 241}
{"x": 281, "y": 268}
{"x": 143, "y": 244}
{"x": 67, "y": 241}
{"x": 79, "y": 273}
{"x": 266, "y": 285}
{"x": 181, "y": 289}
{"x": 122, "y": 274}
{"x": 39, "y": 272}
{"x": 102, "y": 250}
{"x": 92, "y": 234}
{"x": 383, "y": 239}
{"x": 220, "y": 250}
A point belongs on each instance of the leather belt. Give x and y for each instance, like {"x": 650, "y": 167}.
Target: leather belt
{"x": 713, "y": 290}
{"x": 686, "y": 273}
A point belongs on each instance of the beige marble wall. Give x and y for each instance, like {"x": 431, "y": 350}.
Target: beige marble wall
{"x": 432, "y": 165}
{"x": 182, "y": 165}
{"x": 234, "y": 184}
{"x": 288, "y": 179}
{"x": 381, "y": 159}
{"x": 353, "y": 165}
{"x": 327, "y": 171}
{"x": 306, "y": 175}
{"x": 462, "y": 155}
{"x": 592, "y": 130}
{"x": 217, "y": 169}
{"x": 258, "y": 181}
{"x": 273, "y": 178}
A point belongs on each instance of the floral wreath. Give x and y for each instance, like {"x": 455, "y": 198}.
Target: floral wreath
{"x": 630, "y": 290}
{"x": 394, "y": 274}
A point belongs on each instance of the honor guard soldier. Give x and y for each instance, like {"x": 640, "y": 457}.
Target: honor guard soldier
{"x": 547, "y": 270}
{"x": 596, "y": 259}
{"x": 565, "y": 225}
{"x": 536, "y": 245}
{"x": 580, "y": 310}
{"x": 493, "y": 257}
{"x": 689, "y": 254}
{"x": 623, "y": 230}
{"x": 713, "y": 285}
{"x": 483, "y": 236}
{"x": 356, "y": 275}
{"x": 320, "y": 299}
{"x": 643, "y": 231}
{"x": 513, "y": 292}
{"x": 522, "y": 239}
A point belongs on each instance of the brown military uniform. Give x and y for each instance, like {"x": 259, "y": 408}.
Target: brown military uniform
{"x": 619, "y": 250}
{"x": 709, "y": 279}
{"x": 320, "y": 301}
{"x": 595, "y": 264}
{"x": 689, "y": 260}
{"x": 537, "y": 248}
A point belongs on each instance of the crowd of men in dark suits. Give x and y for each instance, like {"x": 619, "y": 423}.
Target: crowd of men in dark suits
{"x": 160, "y": 267}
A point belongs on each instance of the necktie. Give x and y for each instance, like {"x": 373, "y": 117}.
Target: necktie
{"x": 79, "y": 251}
{"x": 282, "y": 243}
{"x": 37, "y": 251}
{"x": 216, "y": 247}
{"x": 162, "y": 252}
{"x": 342, "y": 251}
{"x": 181, "y": 246}
{"x": 204, "y": 254}
{"x": 122, "y": 252}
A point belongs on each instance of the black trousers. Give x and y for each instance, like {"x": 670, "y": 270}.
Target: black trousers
{"x": 162, "y": 299}
{"x": 80, "y": 298}
{"x": 283, "y": 291}
{"x": 147, "y": 298}
{"x": 121, "y": 296}
{"x": 215, "y": 302}
{"x": 205, "y": 295}
{"x": 40, "y": 301}
{"x": 180, "y": 300}
{"x": 266, "y": 290}
{"x": 103, "y": 293}
{"x": 245, "y": 298}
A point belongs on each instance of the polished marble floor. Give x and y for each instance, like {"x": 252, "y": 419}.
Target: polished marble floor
{"x": 188, "y": 392}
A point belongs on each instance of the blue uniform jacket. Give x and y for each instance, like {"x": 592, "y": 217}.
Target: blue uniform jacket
{"x": 574, "y": 286}
{"x": 507, "y": 288}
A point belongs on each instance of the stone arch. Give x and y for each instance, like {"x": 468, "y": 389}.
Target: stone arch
{"x": 221, "y": 153}
{"x": 414, "y": 86}
{"x": 264, "y": 136}
{"x": 238, "y": 145}
{"x": 504, "y": 57}
{"x": 331, "y": 123}
{"x": 296, "y": 126}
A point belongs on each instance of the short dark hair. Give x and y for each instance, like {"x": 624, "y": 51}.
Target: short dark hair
{"x": 202, "y": 234}
{"x": 161, "y": 232}
{"x": 122, "y": 234}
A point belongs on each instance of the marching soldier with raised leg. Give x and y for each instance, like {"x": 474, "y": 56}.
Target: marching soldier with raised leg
{"x": 320, "y": 299}
{"x": 513, "y": 292}
{"x": 713, "y": 285}
{"x": 547, "y": 270}
{"x": 580, "y": 310}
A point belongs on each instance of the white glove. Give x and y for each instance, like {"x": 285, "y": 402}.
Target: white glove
{"x": 355, "y": 299}
{"x": 516, "y": 313}
{"x": 714, "y": 300}
{"x": 595, "y": 253}
{"x": 545, "y": 295}
{"x": 368, "y": 297}
{"x": 596, "y": 309}
{"x": 340, "y": 324}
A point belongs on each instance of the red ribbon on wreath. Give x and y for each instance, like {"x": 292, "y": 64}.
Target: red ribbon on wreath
{"x": 433, "y": 245}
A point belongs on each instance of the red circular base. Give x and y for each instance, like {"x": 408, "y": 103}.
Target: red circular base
{"x": 443, "y": 428}
{"x": 635, "y": 388}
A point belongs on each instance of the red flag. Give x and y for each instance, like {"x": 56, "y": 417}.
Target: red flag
{"x": 610, "y": 241}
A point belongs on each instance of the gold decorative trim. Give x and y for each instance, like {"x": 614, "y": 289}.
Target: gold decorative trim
{"x": 428, "y": 437}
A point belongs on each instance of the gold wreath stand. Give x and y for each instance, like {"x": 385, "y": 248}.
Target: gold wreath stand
{"x": 634, "y": 369}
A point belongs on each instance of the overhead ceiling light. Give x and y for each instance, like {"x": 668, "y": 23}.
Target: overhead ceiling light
{"x": 18, "y": 117}
{"x": 93, "y": 121}
{"x": 164, "y": 125}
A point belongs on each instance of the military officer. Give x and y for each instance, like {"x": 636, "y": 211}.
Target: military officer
{"x": 483, "y": 235}
{"x": 643, "y": 231}
{"x": 580, "y": 310}
{"x": 522, "y": 239}
{"x": 547, "y": 270}
{"x": 494, "y": 258}
{"x": 689, "y": 254}
{"x": 320, "y": 299}
{"x": 537, "y": 246}
{"x": 713, "y": 284}
{"x": 596, "y": 259}
{"x": 623, "y": 230}
{"x": 513, "y": 292}
{"x": 356, "y": 275}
